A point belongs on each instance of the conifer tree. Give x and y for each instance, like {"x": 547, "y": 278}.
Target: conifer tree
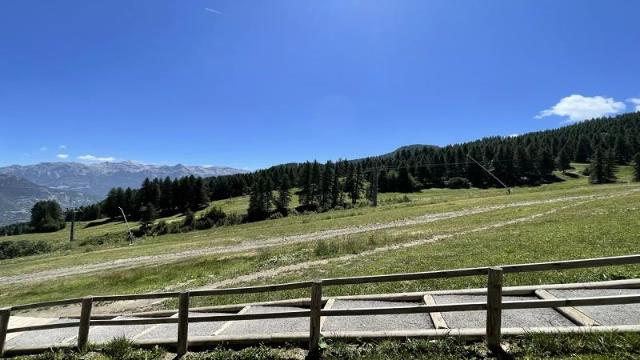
{"x": 325, "y": 185}
{"x": 602, "y": 167}
{"x": 636, "y": 167}
{"x": 562, "y": 161}
{"x": 283, "y": 200}
{"x": 336, "y": 191}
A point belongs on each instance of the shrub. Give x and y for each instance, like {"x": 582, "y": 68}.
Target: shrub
{"x": 12, "y": 249}
{"x": 458, "y": 183}
{"x": 216, "y": 215}
{"x": 276, "y": 215}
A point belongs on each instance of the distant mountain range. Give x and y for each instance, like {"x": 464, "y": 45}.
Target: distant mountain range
{"x": 17, "y": 196}
{"x": 74, "y": 184}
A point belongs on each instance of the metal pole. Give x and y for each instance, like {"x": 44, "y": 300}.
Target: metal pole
{"x": 73, "y": 224}
{"x": 128, "y": 228}
{"x": 490, "y": 173}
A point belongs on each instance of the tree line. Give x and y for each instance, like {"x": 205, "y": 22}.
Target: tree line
{"x": 528, "y": 159}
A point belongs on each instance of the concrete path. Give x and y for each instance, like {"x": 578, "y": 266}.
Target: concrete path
{"x": 607, "y": 315}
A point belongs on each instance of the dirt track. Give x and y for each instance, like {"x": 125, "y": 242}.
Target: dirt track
{"x": 276, "y": 241}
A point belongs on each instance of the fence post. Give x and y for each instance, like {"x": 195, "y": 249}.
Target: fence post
{"x": 5, "y": 313}
{"x": 183, "y": 323}
{"x": 314, "y": 328}
{"x": 85, "y": 321}
{"x": 494, "y": 309}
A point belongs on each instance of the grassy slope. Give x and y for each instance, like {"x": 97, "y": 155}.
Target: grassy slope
{"x": 595, "y": 228}
{"x": 603, "y": 227}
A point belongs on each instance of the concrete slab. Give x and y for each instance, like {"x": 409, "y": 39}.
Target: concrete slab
{"x": 376, "y": 322}
{"x": 510, "y": 318}
{"x": 170, "y": 331}
{"x": 44, "y": 337}
{"x": 628, "y": 314}
{"x": 102, "y": 334}
{"x": 268, "y": 326}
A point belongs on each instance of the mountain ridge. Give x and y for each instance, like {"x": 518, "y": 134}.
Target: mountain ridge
{"x": 98, "y": 178}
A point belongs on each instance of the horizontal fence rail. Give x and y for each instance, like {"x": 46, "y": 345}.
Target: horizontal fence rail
{"x": 494, "y": 306}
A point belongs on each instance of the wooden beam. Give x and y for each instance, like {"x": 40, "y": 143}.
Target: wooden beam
{"x": 5, "y": 314}
{"x": 494, "y": 310}
{"x": 183, "y": 324}
{"x": 328, "y": 305}
{"x": 436, "y": 317}
{"x": 228, "y": 323}
{"x": 314, "y": 320}
{"x": 85, "y": 323}
{"x": 576, "y": 316}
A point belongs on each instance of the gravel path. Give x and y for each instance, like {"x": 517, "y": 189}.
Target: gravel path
{"x": 276, "y": 241}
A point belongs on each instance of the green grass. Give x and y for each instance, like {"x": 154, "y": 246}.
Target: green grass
{"x": 598, "y": 228}
{"x": 575, "y": 346}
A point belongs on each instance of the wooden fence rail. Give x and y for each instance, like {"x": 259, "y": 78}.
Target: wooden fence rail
{"x": 494, "y": 306}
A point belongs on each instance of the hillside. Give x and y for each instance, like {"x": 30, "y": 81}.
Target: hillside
{"x": 17, "y": 196}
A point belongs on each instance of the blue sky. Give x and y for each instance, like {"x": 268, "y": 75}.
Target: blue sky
{"x": 254, "y": 83}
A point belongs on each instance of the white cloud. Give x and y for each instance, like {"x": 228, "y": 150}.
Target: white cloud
{"x": 213, "y": 11}
{"x": 62, "y": 147}
{"x": 635, "y": 102}
{"x": 62, "y": 156}
{"x": 44, "y": 148}
{"x": 577, "y": 108}
{"x": 95, "y": 158}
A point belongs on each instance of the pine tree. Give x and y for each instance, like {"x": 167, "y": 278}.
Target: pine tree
{"x": 620, "y": 150}
{"x": 148, "y": 215}
{"x": 325, "y": 185}
{"x": 562, "y": 161}
{"x": 583, "y": 150}
{"x": 405, "y": 181}
{"x": 336, "y": 191}
{"x": 544, "y": 163}
{"x": 636, "y": 167}
{"x": 602, "y": 167}
{"x": 284, "y": 198}
{"x": 47, "y": 216}
{"x": 260, "y": 200}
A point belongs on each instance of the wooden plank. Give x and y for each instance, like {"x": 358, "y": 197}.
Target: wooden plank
{"x": 328, "y": 305}
{"x": 47, "y": 304}
{"x": 417, "y": 309}
{"x": 5, "y": 315}
{"x": 436, "y": 317}
{"x": 573, "y": 264}
{"x": 494, "y": 309}
{"x": 183, "y": 324}
{"x": 583, "y": 301}
{"x": 228, "y": 323}
{"x": 406, "y": 276}
{"x": 576, "y": 316}
{"x": 85, "y": 323}
{"x": 314, "y": 320}
{"x": 144, "y": 296}
{"x": 253, "y": 289}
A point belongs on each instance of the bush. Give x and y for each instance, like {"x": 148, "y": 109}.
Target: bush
{"x": 458, "y": 183}
{"x": 216, "y": 215}
{"x": 12, "y": 249}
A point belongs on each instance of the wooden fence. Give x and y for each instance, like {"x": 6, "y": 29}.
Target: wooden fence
{"x": 493, "y": 306}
